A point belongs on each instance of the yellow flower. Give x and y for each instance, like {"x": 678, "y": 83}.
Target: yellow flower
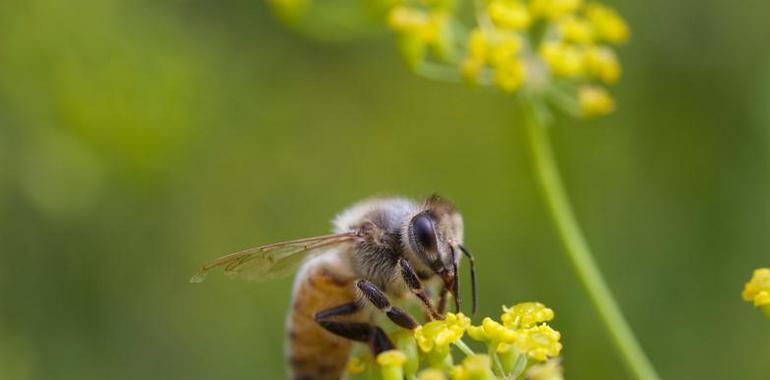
{"x": 550, "y": 370}
{"x": 477, "y": 45}
{"x": 490, "y": 331}
{"x": 757, "y": 290}
{"x": 525, "y": 315}
{"x": 391, "y": 364}
{"x": 607, "y": 23}
{"x": 553, "y": 9}
{"x": 511, "y": 14}
{"x": 471, "y": 68}
{"x": 575, "y": 29}
{"x": 563, "y": 59}
{"x": 439, "y": 334}
{"x": 595, "y": 101}
{"x": 502, "y": 47}
{"x": 539, "y": 342}
{"x": 509, "y": 75}
{"x": 474, "y": 367}
{"x": 431, "y": 374}
{"x": 602, "y": 63}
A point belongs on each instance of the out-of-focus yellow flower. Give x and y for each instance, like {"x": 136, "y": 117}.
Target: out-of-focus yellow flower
{"x": 553, "y": 9}
{"x": 502, "y": 47}
{"x": 509, "y": 75}
{"x": 539, "y": 342}
{"x": 431, "y": 374}
{"x": 607, "y": 23}
{"x": 438, "y": 335}
{"x": 474, "y": 367}
{"x": 403, "y": 18}
{"x": 510, "y": 14}
{"x": 595, "y": 101}
{"x": 563, "y": 59}
{"x": 471, "y": 68}
{"x": 477, "y": 45}
{"x": 525, "y": 315}
{"x": 757, "y": 290}
{"x": 550, "y": 370}
{"x": 391, "y": 364}
{"x": 602, "y": 63}
{"x": 356, "y": 365}
{"x": 575, "y": 29}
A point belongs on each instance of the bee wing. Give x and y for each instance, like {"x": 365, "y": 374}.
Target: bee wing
{"x": 273, "y": 260}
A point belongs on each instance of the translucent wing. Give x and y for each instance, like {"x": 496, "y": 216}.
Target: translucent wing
{"x": 273, "y": 260}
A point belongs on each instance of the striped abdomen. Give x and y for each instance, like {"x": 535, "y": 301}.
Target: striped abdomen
{"x": 314, "y": 353}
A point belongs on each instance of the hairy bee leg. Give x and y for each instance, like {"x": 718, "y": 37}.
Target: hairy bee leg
{"x": 344, "y": 309}
{"x": 415, "y": 285}
{"x": 377, "y": 340}
{"x": 377, "y": 298}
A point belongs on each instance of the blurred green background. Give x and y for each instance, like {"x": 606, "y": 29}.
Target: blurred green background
{"x": 139, "y": 139}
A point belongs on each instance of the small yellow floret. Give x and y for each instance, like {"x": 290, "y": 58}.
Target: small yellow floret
{"x": 474, "y": 367}
{"x": 563, "y": 59}
{"x": 550, "y": 370}
{"x": 607, "y": 23}
{"x": 438, "y": 335}
{"x": 431, "y": 374}
{"x": 553, "y": 9}
{"x": 355, "y": 366}
{"x": 576, "y": 29}
{"x": 757, "y": 290}
{"x": 391, "y": 358}
{"x": 490, "y": 331}
{"x": 511, "y": 14}
{"x": 510, "y": 75}
{"x": 595, "y": 101}
{"x": 540, "y": 342}
{"x": 471, "y": 68}
{"x": 602, "y": 63}
{"x": 477, "y": 44}
{"x": 503, "y": 48}
{"x": 407, "y": 19}
{"x": 525, "y": 315}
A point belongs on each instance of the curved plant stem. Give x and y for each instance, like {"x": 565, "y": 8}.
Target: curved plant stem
{"x": 579, "y": 253}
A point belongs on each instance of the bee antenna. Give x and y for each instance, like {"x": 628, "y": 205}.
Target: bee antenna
{"x": 473, "y": 275}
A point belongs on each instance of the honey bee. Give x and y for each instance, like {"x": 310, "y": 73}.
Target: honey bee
{"x": 381, "y": 249}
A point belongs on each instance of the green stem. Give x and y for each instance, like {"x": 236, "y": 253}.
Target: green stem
{"x": 464, "y": 348}
{"x": 579, "y": 253}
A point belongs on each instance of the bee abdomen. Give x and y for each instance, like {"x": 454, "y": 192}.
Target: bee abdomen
{"x": 314, "y": 353}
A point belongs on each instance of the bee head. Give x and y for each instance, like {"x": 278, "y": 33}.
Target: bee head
{"x": 434, "y": 236}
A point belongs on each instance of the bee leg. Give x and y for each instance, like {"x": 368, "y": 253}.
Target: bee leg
{"x": 442, "y": 300}
{"x": 377, "y": 340}
{"x": 415, "y": 285}
{"x": 377, "y": 298}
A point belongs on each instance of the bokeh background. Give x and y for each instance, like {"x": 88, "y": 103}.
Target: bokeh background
{"x": 141, "y": 138}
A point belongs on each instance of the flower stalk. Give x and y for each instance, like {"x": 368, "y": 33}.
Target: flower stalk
{"x": 576, "y": 248}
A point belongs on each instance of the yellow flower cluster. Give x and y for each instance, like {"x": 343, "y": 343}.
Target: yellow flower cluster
{"x": 438, "y": 335}
{"x": 522, "y": 342}
{"x": 521, "y": 43}
{"x": 757, "y": 290}
{"x": 524, "y": 328}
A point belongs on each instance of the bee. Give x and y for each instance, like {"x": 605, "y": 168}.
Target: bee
{"x": 382, "y": 249}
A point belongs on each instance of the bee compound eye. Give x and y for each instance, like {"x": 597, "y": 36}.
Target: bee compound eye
{"x": 423, "y": 232}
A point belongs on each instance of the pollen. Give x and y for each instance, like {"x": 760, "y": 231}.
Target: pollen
{"x": 526, "y": 315}
{"x": 757, "y": 290}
